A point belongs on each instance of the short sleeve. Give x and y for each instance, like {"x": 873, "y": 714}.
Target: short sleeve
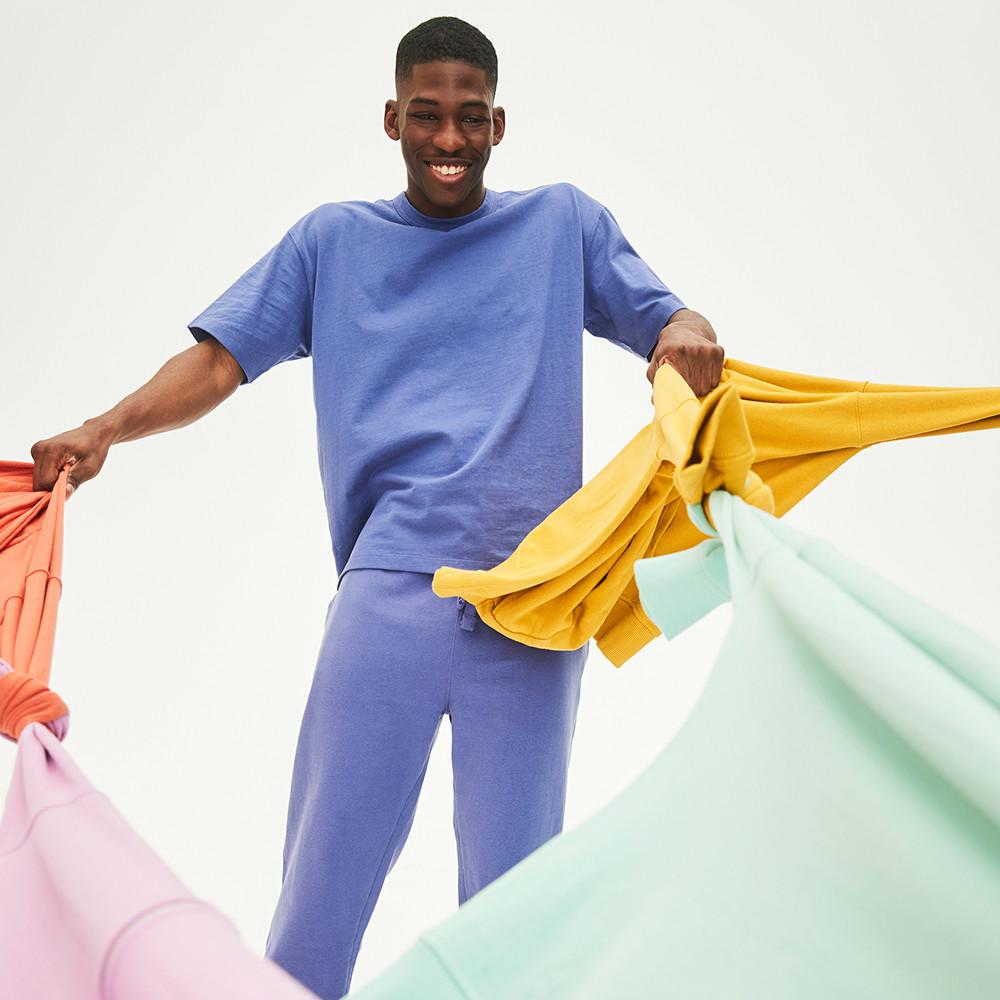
{"x": 265, "y": 316}
{"x": 624, "y": 301}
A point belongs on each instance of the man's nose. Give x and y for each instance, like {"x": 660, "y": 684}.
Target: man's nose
{"x": 449, "y": 137}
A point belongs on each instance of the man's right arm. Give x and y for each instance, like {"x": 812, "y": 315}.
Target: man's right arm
{"x": 185, "y": 388}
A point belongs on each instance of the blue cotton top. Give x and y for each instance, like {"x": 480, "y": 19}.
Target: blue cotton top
{"x": 447, "y": 361}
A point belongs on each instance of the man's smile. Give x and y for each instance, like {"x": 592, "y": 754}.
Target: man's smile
{"x": 446, "y": 171}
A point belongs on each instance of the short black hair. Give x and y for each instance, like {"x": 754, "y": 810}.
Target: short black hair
{"x": 448, "y": 39}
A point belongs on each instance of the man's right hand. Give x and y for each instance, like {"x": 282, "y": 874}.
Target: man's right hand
{"x": 84, "y": 449}
{"x": 186, "y": 387}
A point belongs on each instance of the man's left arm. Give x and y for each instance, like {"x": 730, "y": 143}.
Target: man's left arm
{"x": 688, "y": 343}
{"x": 624, "y": 299}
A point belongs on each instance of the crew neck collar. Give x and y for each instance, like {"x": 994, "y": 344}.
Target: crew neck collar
{"x": 417, "y": 218}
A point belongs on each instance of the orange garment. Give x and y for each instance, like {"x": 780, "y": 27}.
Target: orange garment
{"x": 31, "y": 535}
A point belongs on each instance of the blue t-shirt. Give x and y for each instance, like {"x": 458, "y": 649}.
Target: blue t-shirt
{"x": 447, "y": 361}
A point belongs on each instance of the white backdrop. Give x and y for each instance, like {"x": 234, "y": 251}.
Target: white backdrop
{"x": 820, "y": 182}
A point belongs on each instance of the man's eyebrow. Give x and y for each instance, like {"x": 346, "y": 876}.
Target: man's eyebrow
{"x": 464, "y": 104}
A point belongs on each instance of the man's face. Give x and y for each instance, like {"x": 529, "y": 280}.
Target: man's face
{"x": 444, "y": 115}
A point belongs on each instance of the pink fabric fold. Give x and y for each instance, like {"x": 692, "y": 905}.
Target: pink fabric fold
{"x": 94, "y": 914}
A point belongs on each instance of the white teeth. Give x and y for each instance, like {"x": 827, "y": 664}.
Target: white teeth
{"x": 447, "y": 170}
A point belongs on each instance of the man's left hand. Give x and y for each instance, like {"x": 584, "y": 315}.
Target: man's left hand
{"x": 688, "y": 343}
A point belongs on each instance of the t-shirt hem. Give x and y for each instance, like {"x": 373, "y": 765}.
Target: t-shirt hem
{"x": 414, "y": 562}
{"x": 238, "y": 347}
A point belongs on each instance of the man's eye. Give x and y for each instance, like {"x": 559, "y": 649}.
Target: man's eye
{"x": 426, "y": 115}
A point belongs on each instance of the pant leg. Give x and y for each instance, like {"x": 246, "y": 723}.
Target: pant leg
{"x": 372, "y": 715}
{"x": 513, "y": 715}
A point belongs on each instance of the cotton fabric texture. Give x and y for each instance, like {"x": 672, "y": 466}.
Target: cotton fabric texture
{"x": 30, "y": 587}
{"x": 92, "y": 913}
{"x": 825, "y": 824}
{"x": 394, "y": 660}
{"x": 768, "y": 435}
{"x": 447, "y": 360}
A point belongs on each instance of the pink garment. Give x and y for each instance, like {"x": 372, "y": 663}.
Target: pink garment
{"x": 92, "y": 913}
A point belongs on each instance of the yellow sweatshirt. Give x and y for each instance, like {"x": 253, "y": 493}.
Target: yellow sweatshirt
{"x": 767, "y": 435}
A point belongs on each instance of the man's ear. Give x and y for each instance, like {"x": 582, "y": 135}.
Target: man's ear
{"x": 390, "y": 121}
{"x": 499, "y": 123}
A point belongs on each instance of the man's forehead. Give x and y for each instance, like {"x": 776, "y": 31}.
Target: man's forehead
{"x": 446, "y": 81}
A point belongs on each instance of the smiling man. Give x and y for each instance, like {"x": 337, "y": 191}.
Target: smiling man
{"x": 445, "y": 331}
{"x": 446, "y": 130}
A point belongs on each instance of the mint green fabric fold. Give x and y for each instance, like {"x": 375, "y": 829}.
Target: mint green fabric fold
{"x": 825, "y": 824}
{"x": 692, "y": 583}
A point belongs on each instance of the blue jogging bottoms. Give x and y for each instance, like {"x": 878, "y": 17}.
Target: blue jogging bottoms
{"x": 395, "y": 658}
